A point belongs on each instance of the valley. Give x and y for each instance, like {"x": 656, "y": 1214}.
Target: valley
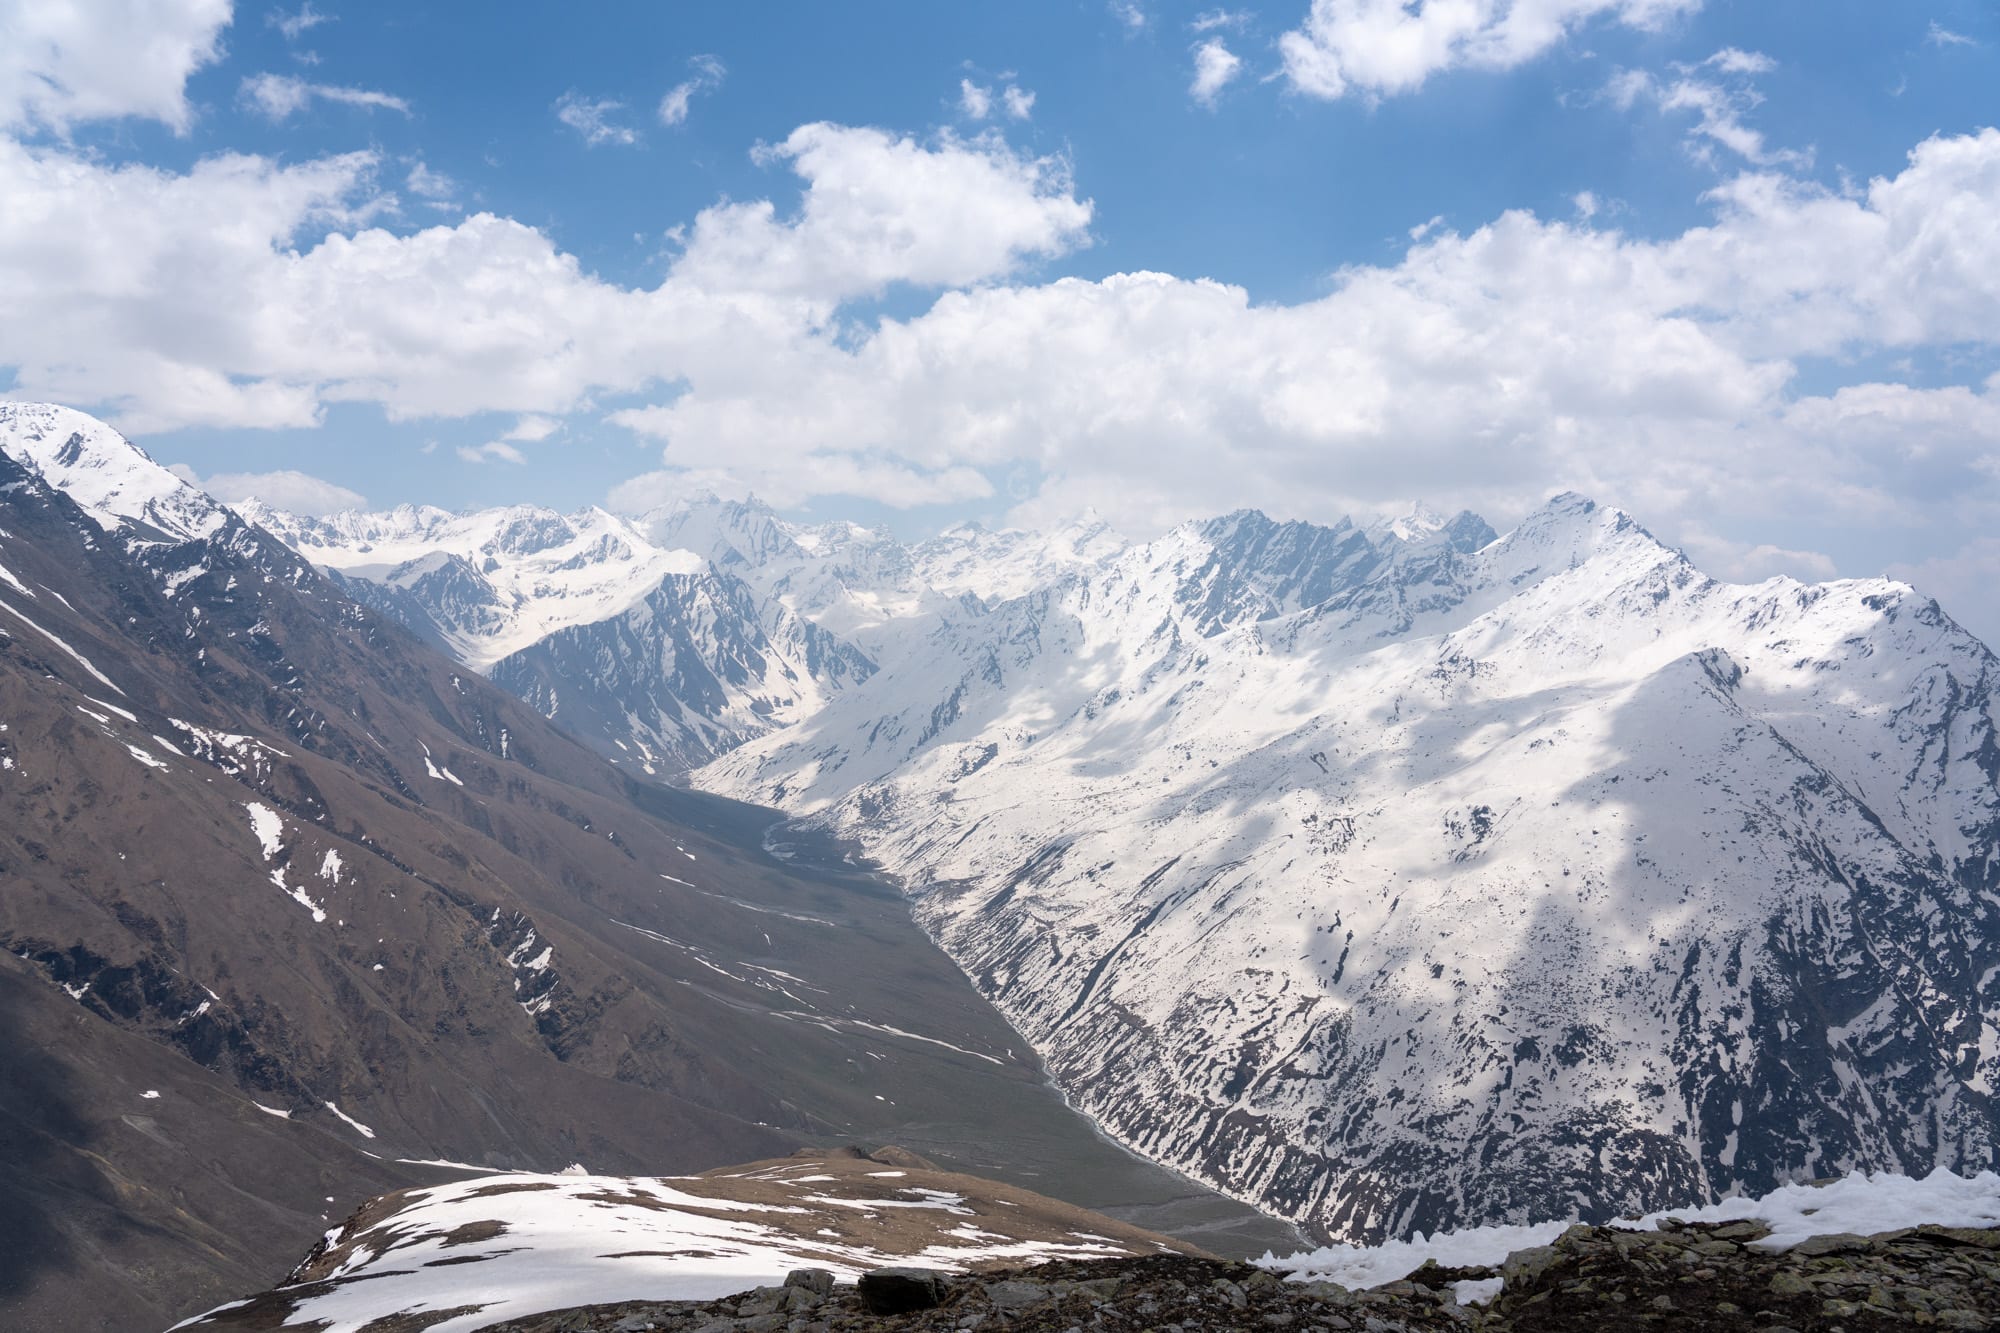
{"x": 298, "y": 910}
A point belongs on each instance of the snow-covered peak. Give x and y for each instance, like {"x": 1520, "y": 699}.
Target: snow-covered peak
{"x": 1565, "y": 532}
{"x": 1422, "y": 526}
{"x": 504, "y": 578}
{"x": 996, "y": 566}
{"x": 117, "y": 483}
{"x": 731, "y": 533}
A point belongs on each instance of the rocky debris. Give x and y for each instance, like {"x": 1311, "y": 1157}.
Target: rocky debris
{"x": 1693, "y": 1276}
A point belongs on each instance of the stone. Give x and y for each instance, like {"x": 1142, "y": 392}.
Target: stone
{"x": 1526, "y": 1265}
{"x": 901, "y": 1290}
{"x": 761, "y": 1300}
{"x": 818, "y": 1281}
{"x": 1016, "y": 1294}
{"x": 1745, "y": 1230}
{"x": 1839, "y": 1242}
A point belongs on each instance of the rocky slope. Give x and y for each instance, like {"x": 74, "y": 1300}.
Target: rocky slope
{"x": 291, "y": 905}
{"x": 1401, "y": 878}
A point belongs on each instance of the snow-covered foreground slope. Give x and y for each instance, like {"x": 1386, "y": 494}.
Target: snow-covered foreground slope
{"x": 1859, "y": 1205}
{"x": 500, "y": 1247}
{"x": 1400, "y": 879}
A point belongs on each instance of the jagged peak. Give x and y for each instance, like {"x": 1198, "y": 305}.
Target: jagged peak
{"x": 112, "y": 479}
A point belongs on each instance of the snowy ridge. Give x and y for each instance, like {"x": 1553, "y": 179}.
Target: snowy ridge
{"x": 1546, "y": 871}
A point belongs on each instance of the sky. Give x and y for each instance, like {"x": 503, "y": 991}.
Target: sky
{"x": 1733, "y": 265}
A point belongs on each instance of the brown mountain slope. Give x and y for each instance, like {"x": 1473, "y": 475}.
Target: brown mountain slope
{"x": 246, "y": 824}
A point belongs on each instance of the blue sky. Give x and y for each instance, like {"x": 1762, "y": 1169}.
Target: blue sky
{"x": 1678, "y": 253}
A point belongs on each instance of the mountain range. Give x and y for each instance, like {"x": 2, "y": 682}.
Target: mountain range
{"x": 1390, "y": 875}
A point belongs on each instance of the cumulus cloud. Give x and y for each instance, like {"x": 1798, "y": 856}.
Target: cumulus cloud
{"x": 1215, "y": 65}
{"x": 592, "y": 118}
{"x": 707, "y": 75}
{"x": 1384, "y": 47}
{"x": 881, "y": 209}
{"x": 1478, "y": 368}
{"x": 193, "y": 298}
{"x": 297, "y": 492}
{"x": 1019, "y": 101}
{"x": 67, "y": 61}
{"x": 1130, "y": 13}
{"x": 281, "y": 96}
{"x": 1659, "y": 373}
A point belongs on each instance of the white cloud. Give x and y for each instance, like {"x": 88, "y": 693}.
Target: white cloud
{"x": 591, "y": 117}
{"x": 498, "y": 451}
{"x": 974, "y": 102}
{"x": 63, "y": 62}
{"x": 1719, "y": 108}
{"x": 881, "y": 209}
{"x": 296, "y": 25}
{"x": 281, "y": 96}
{"x": 431, "y": 185}
{"x": 1381, "y": 47}
{"x": 1130, "y": 13}
{"x": 533, "y": 429}
{"x": 297, "y": 492}
{"x": 1939, "y": 35}
{"x": 1586, "y": 204}
{"x": 1479, "y": 370}
{"x": 1020, "y": 102}
{"x": 1215, "y": 19}
{"x": 707, "y": 77}
{"x": 1734, "y": 60}
{"x": 195, "y": 299}
{"x": 1215, "y": 65}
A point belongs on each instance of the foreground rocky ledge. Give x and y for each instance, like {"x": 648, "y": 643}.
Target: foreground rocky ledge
{"x": 1692, "y": 1276}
